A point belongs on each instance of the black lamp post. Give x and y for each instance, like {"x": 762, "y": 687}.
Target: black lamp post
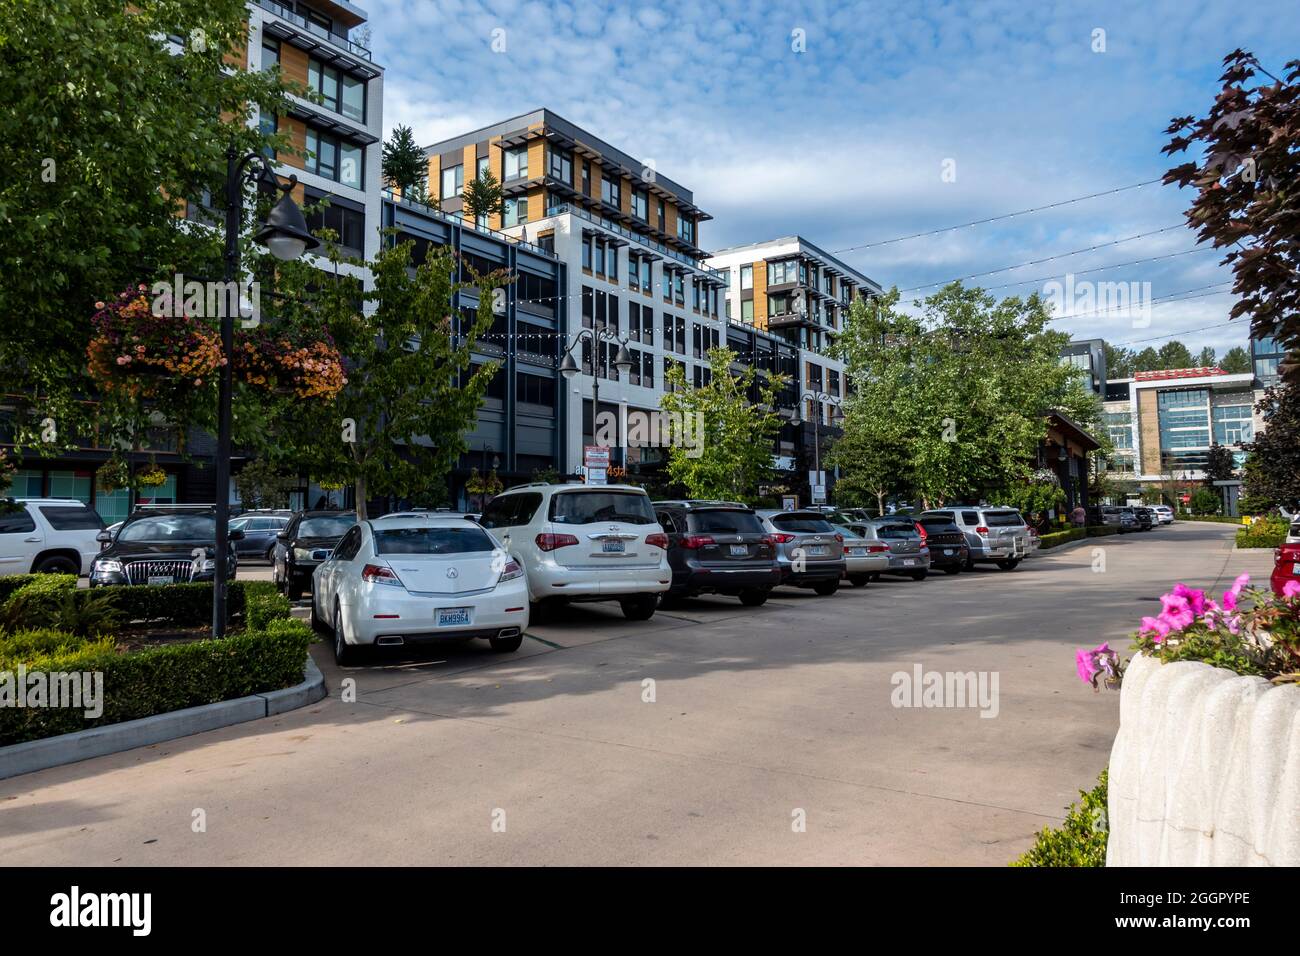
{"x": 286, "y": 236}
{"x": 622, "y": 362}
{"x": 837, "y": 416}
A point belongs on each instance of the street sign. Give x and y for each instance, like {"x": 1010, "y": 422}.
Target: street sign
{"x": 789, "y": 502}
{"x": 819, "y": 494}
{"x": 597, "y": 476}
{"x": 595, "y": 459}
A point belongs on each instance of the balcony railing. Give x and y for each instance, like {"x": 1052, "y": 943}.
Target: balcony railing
{"x": 315, "y": 29}
{"x": 464, "y": 223}
{"x": 562, "y": 208}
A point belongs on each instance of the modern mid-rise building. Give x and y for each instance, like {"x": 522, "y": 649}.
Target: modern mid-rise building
{"x": 1266, "y": 357}
{"x": 1088, "y": 356}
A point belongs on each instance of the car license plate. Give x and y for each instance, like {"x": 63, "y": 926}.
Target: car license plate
{"x": 818, "y": 551}
{"x": 453, "y": 616}
{"x": 161, "y": 579}
{"x": 1295, "y": 568}
{"x": 613, "y": 546}
{"x": 739, "y": 550}
{"x": 947, "y": 550}
{"x": 908, "y": 562}
{"x": 858, "y": 552}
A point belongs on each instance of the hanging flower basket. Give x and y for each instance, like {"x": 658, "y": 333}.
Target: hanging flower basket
{"x": 8, "y": 468}
{"x": 151, "y": 477}
{"x": 137, "y": 354}
{"x": 112, "y": 475}
{"x": 290, "y": 362}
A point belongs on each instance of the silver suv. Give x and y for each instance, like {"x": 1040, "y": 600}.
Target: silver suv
{"x": 994, "y": 535}
{"x": 809, "y": 550}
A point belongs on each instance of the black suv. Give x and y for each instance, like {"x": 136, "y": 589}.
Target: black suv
{"x": 300, "y": 548}
{"x": 162, "y": 546}
{"x": 717, "y": 547}
{"x": 948, "y": 548}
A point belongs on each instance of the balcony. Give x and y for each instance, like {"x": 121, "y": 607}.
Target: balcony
{"x": 315, "y": 29}
{"x": 468, "y": 224}
{"x": 608, "y": 224}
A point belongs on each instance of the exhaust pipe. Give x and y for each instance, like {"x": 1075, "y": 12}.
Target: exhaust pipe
{"x": 508, "y": 632}
{"x": 389, "y": 641}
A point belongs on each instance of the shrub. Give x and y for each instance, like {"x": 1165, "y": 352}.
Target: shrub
{"x": 1266, "y": 533}
{"x": 157, "y": 680}
{"x": 1081, "y": 840}
{"x": 183, "y": 605}
{"x": 21, "y": 647}
{"x": 12, "y": 582}
{"x": 1054, "y": 539}
{"x": 1102, "y": 530}
{"x": 260, "y": 609}
{"x": 1205, "y": 502}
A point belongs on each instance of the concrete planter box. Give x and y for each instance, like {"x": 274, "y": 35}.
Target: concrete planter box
{"x": 1205, "y": 770}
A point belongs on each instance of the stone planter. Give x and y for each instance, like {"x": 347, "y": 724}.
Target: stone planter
{"x": 1205, "y": 770}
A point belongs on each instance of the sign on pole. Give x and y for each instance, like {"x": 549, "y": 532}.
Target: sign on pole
{"x": 595, "y": 459}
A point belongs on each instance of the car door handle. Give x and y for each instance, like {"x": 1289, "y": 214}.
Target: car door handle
{"x": 31, "y": 540}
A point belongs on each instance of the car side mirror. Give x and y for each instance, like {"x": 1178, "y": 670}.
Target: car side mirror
{"x": 104, "y": 537}
{"x": 237, "y": 535}
{"x": 282, "y": 536}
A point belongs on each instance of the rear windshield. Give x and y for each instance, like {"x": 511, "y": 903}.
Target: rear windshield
{"x": 803, "y": 524}
{"x": 62, "y": 518}
{"x": 590, "y": 507}
{"x": 170, "y": 528}
{"x": 1003, "y": 519}
{"x": 726, "y": 522}
{"x": 432, "y": 541}
{"x": 897, "y": 530}
{"x": 326, "y": 526}
{"x": 936, "y": 521}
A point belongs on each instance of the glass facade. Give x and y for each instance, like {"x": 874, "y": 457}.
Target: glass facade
{"x": 1184, "y": 419}
{"x": 1233, "y": 424}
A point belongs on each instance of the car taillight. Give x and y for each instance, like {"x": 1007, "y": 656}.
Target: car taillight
{"x": 782, "y": 538}
{"x": 657, "y": 541}
{"x": 378, "y": 574}
{"x": 549, "y": 542}
{"x": 767, "y": 541}
{"x": 981, "y": 530}
{"x": 921, "y": 531}
{"x": 693, "y": 541}
{"x": 877, "y": 548}
{"x": 511, "y": 571}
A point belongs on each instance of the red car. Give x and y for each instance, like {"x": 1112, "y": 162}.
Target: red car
{"x": 1286, "y": 566}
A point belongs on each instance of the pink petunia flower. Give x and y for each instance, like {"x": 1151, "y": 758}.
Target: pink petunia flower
{"x": 1195, "y": 599}
{"x": 1291, "y": 589}
{"x": 1177, "y": 613}
{"x": 1086, "y": 665}
{"x": 1159, "y": 629}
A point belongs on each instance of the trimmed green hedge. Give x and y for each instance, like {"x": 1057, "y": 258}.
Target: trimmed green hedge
{"x": 1213, "y": 519}
{"x": 1081, "y": 840}
{"x": 13, "y": 582}
{"x": 1102, "y": 530}
{"x": 168, "y": 605}
{"x": 158, "y": 679}
{"x": 1054, "y": 539}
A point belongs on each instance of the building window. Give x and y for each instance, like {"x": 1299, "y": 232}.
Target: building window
{"x": 559, "y": 165}
{"x": 779, "y": 273}
{"x": 324, "y": 80}
{"x": 747, "y": 277}
{"x": 535, "y": 389}
{"x": 633, "y": 271}
{"x": 270, "y": 53}
{"x": 747, "y": 311}
{"x": 641, "y": 205}
{"x": 335, "y": 159}
{"x": 482, "y": 168}
{"x": 686, "y": 229}
{"x": 453, "y": 181}
{"x": 598, "y": 255}
{"x": 516, "y": 163}
{"x": 1184, "y": 419}
{"x": 611, "y": 262}
{"x": 1233, "y": 424}
{"x": 647, "y": 370}
{"x": 610, "y": 191}
{"x": 586, "y": 253}
{"x": 679, "y": 288}
{"x": 586, "y": 178}
{"x": 516, "y": 211}
{"x": 349, "y": 224}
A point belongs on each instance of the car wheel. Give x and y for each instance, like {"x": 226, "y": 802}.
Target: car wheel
{"x": 344, "y": 653}
{"x": 57, "y": 564}
{"x": 826, "y": 588}
{"x": 875, "y": 576}
{"x": 1009, "y": 565}
{"x": 859, "y": 580}
{"x": 754, "y": 597}
{"x": 293, "y": 589}
{"x": 270, "y": 555}
{"x": 504, "y": 645}
{"x": 919, "y": 575}
{"x": 639, "y": 608}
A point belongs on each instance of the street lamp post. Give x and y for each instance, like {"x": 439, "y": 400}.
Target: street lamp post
{"x": 836, "y": 416}
{"x": 286, "y": 236}
{"x": 622, "y": 362}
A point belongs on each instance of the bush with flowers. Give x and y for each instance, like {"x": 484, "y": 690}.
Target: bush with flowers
{"x": 1249, "y": 631}
{"x": 134, "y": 353}
{"x": 284, "y": 359}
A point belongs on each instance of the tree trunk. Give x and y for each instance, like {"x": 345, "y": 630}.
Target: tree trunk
{"x": 361, "y": 498}
{"x": 880, "y": 504}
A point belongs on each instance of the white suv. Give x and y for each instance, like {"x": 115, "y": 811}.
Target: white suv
{"x": 584, "y": 543}
{"x": 47, "y": 535}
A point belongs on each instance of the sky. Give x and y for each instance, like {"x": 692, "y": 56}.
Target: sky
{"x": 853, "y": 124}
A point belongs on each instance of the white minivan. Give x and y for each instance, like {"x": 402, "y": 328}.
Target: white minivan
{"x": 47, "y": 535}
{"x": 584, "y": 543}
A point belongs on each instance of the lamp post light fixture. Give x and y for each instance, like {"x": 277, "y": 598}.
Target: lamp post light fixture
{"x": 286, "y": 237}
{"x": 837, "y": 416}
{"x": 622, "y": 362}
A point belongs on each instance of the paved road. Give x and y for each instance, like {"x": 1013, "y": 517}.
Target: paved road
{"x": 759, "y": 714}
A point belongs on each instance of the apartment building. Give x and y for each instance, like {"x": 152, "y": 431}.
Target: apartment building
{"x": 1163, "y": 423}
{"x": 799, "y": 293}
{"x": 629, "y": 239}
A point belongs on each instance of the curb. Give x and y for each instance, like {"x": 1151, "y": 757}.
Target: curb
{"x": 33, "y": 755}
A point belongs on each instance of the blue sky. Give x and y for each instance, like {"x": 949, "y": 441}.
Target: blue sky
{"x": 846, "y": 142}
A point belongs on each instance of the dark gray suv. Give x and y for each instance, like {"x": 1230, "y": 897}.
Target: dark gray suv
{"x": 717, "y": 547}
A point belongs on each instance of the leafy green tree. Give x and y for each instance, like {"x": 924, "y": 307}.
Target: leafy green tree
{"x": 1236, "y": 361}
{"x": 1207, "y": 358}
{"x": 482, "y": 197}
{"x": 735, "y": 436}
{"x": 405, "y": 167}
{"x": 965, "y": 388}
{"x": 104, "y": 132}
{"x": 1175, "y": 355}
{"x": 1119, "y": 361}
{"x": 1272, "y": 471}
{"x": 1148, "y": 360}
{"x": 1205, "y": 502}
{"x": 398, "y": 427}
{"x": 1219, "y": 466}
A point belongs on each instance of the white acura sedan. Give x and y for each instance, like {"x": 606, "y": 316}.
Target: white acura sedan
{"x": 414, "y": 579}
